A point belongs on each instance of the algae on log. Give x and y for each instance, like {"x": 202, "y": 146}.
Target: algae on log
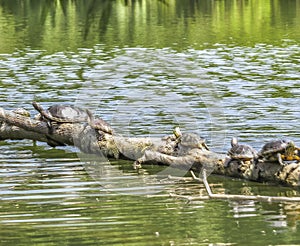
{"x": 142, "y": 150}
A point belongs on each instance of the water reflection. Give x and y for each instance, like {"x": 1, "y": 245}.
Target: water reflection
{"x": 57, "y": 25}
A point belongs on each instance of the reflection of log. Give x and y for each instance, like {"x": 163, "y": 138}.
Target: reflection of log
{"x": 144, "y": 150}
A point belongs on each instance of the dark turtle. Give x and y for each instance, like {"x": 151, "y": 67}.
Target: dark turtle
{"x": 188, "y": 141}
{"x": 71, "y": 114}
{"x": 240, "y": 152}
{"x": 279, "y": 150}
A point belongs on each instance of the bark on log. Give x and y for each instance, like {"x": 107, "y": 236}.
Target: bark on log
{"x": 142, "y": 150}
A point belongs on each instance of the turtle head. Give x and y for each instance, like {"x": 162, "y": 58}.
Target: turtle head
{"x": 234, "y": 141}
{"x": 290, "y": 148}
{"x": 177, "y": 132}
{"x": 291, "y": 144}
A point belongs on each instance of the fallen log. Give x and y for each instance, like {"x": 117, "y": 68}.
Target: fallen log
{"x": 142, "y": 151}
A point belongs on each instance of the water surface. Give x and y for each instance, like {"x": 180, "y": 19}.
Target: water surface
{"x": 221, "y": 69}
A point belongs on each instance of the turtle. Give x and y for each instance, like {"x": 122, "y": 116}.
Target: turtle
{"x": 188, "y": 140}
{"x": 279, "y": 150}
{"x": 70, "y": 114}
{"x": 170, "y": 142}
{"x": 241, "y": 152}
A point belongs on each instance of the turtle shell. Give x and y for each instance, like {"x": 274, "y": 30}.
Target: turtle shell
{"x": 67, "y": 113}
{"x": 191, "y": 140}
{"x": 274, "y": 147}
{"x": 241, "y": 151}
{"x": 71, "y": 114}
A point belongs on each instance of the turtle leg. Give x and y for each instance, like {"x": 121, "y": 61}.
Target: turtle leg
{"x": 280, "y": 159}
{"x": 227, "y": 161}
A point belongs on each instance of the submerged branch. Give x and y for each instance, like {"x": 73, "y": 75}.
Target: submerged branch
{"x": 243, "y": 197}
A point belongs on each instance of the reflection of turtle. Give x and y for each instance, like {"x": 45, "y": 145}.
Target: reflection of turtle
{"x": 188, "y": 141}
{"x": 279, "y": 150}
{"x": 71, "y": 114}
{"x": 241, "y": 152}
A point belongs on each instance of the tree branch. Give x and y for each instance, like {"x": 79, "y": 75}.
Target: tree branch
{"x": 243, "y": 197}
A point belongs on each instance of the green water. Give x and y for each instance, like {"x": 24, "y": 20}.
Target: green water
{"x": 219, "y": 68}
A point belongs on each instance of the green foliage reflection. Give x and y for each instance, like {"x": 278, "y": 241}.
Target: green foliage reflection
{"x": 69, "y": 24}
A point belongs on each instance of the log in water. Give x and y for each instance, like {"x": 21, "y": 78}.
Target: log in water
{"x": 144, "y": 150}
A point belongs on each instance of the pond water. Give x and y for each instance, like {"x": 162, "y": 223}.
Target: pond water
{"x": 218, "y": 68}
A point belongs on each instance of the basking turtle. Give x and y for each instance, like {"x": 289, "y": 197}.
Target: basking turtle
{"x": 188, "y": 141}
{"x": 241, "y": 152}
{"x": 279, "y": 150}
{"x": 170, "y": 142}
{"x": 70, "y": 114}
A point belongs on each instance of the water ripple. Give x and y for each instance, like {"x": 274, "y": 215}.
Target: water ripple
{"x": 249, "y": 92}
